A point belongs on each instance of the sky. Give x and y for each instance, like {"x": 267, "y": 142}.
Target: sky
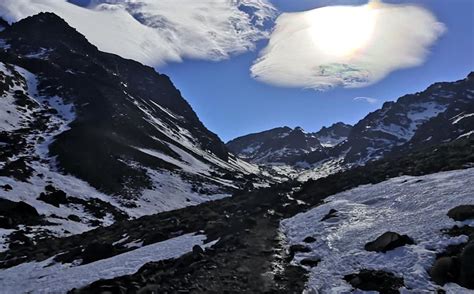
{"x": 231, "y": 103}
{"x": 250, "y": 74}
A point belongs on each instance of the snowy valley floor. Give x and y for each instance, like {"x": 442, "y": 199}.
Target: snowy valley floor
{"x": 416, "y": 206}
{"x": 249, "y": 255}
{"x": 51, "y": 277}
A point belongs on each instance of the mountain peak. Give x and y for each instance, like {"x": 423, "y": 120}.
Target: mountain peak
{"x": 54, "y": 32}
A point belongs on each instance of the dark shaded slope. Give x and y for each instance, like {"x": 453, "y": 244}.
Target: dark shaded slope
{"x": 116, "y": 101}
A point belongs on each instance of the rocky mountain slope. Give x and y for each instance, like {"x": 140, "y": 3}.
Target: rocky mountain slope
{"x": 90, "y": 138}
{"x": 287, "y": 146}
{"x": 442, "y": 113}
{"x": 411, "y": 119}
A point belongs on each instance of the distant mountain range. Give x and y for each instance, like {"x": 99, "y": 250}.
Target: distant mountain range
{"x": 442, "y": 113}
{"x": 287, "y": 145}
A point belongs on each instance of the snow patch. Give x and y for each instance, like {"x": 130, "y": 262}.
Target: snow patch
{"x": 416, "y": 206}
{"x": 50, "y": 277}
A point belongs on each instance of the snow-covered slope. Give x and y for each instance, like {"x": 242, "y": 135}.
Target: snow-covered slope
{"x": 125, "y": 145}
{"x": 416, "y": 206}
{"x": 53, "y": 277}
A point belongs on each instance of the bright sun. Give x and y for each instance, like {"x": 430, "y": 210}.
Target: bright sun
{"x": 343, "y": 30}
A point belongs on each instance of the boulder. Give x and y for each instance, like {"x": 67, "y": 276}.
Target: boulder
{"x": 6, "y": 187}
{"x": 297, "y": 248}
{"x": 74, "y": 218}
{"x": 18, "y": 239}
{"x": 466, "y": 278}
{"x": 97, "y": 251}
{"x": 53, "y": 196}
{"x": 198, "y": 252}
{"x": 154, "y": 238}
{"x": 25, "y": 210}
{"x": 15, "y": 213}
{"x": 372, "y": 280}
{"x": 6, "y": 223}
{"x": 388, "y": 241}
{"x": 444, "y": 270}
{"x": 311, "y": 262}
{"x": 309, "y": 239}
{"x": 332, "y": 213}
{"x": 462, "y": 212}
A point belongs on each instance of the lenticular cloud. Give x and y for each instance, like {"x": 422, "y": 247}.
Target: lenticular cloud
{"x": 348, "y": 46}
{"x": 157, "y": 31}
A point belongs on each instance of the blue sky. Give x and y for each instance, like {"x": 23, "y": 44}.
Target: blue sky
{"x": 231, "y": 103}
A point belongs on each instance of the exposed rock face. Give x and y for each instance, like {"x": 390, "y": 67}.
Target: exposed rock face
{"x": 388, "y": 241}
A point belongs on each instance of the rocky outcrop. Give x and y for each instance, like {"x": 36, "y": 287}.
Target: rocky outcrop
{"x": 388, "y": 241}
{"x": 372, "y": 280}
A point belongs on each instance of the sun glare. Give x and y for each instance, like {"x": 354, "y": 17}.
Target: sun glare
{"x": 343, "y": 30}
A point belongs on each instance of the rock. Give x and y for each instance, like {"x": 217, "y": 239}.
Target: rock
{"x": 74, "y": 218}
{"x": 298, "y": 248}
{"x": 372, "y": 280}
{"x": 154, "y": 238}
{"x": 466, "y": 278}
{"x": 444, "y": 270}
{"x": 309, "y": 239}
{"x": 462, "y": 212}
{"x": 332, "y": 213}
{"x": 6, "y": 222}
{"x": 388, "y": 241}
{"x": 6, "y": 187}
{"x": 15, "y": 213}
{"x": 18, "y": 239}
{"x": 97, "y": 251}
{"x": 24, "y": 209}
{"x": 311, "y": 262}
{"x": 197, "y": 250}
{"x": 53, "y": 196}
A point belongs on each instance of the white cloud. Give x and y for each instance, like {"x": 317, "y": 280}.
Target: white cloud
{"x": 157, "y": 31}
{"x": 348, "y": 46}
{"x": 369, "y": 100}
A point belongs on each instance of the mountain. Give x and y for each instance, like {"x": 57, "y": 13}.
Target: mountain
{"x": 89, "y": 138}
{"x": 413, "y": 120}
{"x": 287, "y": 146}
{"x": 442, "y": 113}
{"x": 280, "y": 145}
{"x": 333, "y": 135}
